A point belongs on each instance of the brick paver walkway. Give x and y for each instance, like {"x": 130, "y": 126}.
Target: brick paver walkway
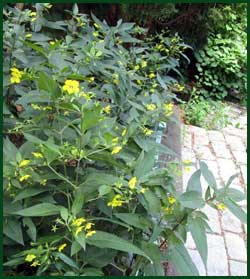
{"x": 224, "y": 152}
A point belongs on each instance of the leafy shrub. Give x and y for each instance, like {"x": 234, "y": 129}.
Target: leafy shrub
{"x": 82, "y": 194}
{"x": 222, "y": 62}
{"x": 207, "y": 114}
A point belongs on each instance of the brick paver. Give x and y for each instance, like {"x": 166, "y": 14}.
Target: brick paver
{"x": 225, "y": 154}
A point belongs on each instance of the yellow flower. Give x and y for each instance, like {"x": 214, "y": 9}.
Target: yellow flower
{"x": 124, "y": 132}
{"x": 221, "y": 206}
{"x": 187, "y": 169}
{"x": 144, "y": 63}
{"x": 16, "y": 75}
{"x": 151, "y": 107}
{"x": 116, "y": 149}
{"x": 139, "y": 82}
{"x": 35, "y": 263}
{"x": 168, "y": 210}
{"x": 186, "y": 162}
{"x": 179, "y": 87}
{"x": 79, "y": 221}
{"x": 143, "y": 190}
{"x": 137, "y": 67}
{"x": 33, "y": 19}
{"x": 107, "y": 109}
{"x": 116, "y": 202}
{"x": 24, "y": 177}
{"x": 115, "y": 140}
{"x": 147, "y": 131}
{"x": 43, "y": 182}
{"x": 28, "y": 35}
{"x": 78, "y": 230}
{"x": 151, "y": 75}
{"x": 33, "y": 14}
{"x": 97, "y": 26}
{"x": 88, "y": 226}
{"x": 71, "y": 86}
{"x": 91, "y": 79}
{"x": 132, "y": 182}
{"x": 61, "y": 247}
{"x": 52, "y": 43}
{"x": 23, "y": 163}
{"x": 168, "y": 109}
{"x": 30, "y": 257}
{"x": 35, "y": 106}
{"x": 37, "y": 154}
{"x": 171, "y": 200}
{"x": 90, "y": 233}
{"x": 95, "y": 34}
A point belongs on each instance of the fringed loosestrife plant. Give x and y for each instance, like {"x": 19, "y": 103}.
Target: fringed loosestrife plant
{"x": 83, "y": 193}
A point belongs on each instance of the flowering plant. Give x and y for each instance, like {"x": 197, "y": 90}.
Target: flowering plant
{"x": 82, "y": 191}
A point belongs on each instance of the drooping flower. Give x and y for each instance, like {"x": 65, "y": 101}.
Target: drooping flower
{"x": 37, "y": 154}
{"x": 132, "y": 182}
{"x": 30, "y": 257}
{"x": 147, "y": 131}
{"x": 221, "y": 206}
{"x": 171, "y": 200}
{"x": 90, "y": 233}
{"x": 151, "y": 107}
{"x": 35, "y": 263}
{"x": 16, "y": 75}
{"x": 124, "y": 132}
{"x": 116, "y": 201}
{"x": 116, "y": 149}
{"x": 88, "y": 226}
{"x": 24, "y": 177}
{"x": 23, "y": 163}
{"x": 79, "y": 221}
{"x": 107, "y": 109}
{"x": 78, "y": 230}
{"x": 71, "y": 86}
{"x": 61, "y": 247}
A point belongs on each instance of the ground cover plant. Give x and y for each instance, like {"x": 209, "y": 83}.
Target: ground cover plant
{"x": 83, "y": 193}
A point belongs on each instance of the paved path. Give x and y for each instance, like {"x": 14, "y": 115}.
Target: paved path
{"x": 224, "y": 152}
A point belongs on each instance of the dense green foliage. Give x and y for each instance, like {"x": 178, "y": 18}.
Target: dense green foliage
{"x": 83, "y": 191}
{"x": 222, "y": 61}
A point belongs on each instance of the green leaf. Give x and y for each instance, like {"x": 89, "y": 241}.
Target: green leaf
{"x": 191, "y": 199}
{"x": 194, "y": 183}
{"x": 153, "y": 204}
{"x": 42, "y": 209}
{"x": 36, "y": 48}
{"x": 46, "y": 83}
{"x": 134, "y": 219}
{"x": 208, "y": 175}
{"x": 64, "y": 213}
{"x": 90, "y": 271}
{"x": 236, "y": 210}
{"x": 78, "y": 202}
{"x": 179, "y": 257}
{"x": 230, "y": 180}
{"x": 12, "y": 228}
{"x": 75, "y": 248}
{"x": 31, "y": 228}
{"x": 155, "y": 268}
{"x": 198, "y": 232}
{"x": 29, "y": 192}
{"x": 66, "y": 259}
{"x": 144, "y": 163}
{"x": 81, "y": 239}
{"x": 107, "y": 240}
{"x": 104, "y": 190}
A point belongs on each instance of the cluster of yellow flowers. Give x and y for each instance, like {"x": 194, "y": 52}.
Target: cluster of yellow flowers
{"x": 81, "y": 224}
{"x": 71, "y": 86}
{"x": 151, "y": 107}
{"x": 30, "y": 257}
{"x": 168, "y": 109}
{"x": 116, "y": 201}
{"x": 107, "y": 109}
{"x": 147, "y": 131}
{"x": 16, "y": 75}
